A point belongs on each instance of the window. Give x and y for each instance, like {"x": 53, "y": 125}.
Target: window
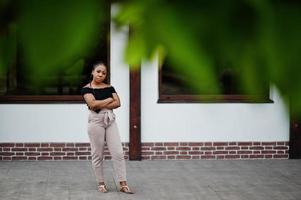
{"x": 173, "y": 88}
{"x": 62, "y": 86}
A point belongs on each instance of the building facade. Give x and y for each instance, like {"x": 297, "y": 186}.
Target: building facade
{"x": 58, "y": 131}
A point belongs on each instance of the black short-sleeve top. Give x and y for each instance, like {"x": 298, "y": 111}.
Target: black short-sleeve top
{"x": 99, "y": 93}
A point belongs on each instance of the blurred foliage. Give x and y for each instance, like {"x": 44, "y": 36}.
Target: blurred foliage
{"x": 48, "y": 37}
{"x": 259, "y": 39}
{"x": 7, "y": 36}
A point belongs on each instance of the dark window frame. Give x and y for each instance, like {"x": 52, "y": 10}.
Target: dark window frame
{"x": 57, "y": 99}
{"x": 168, "y": 98}
{"x": 12, "y": 99}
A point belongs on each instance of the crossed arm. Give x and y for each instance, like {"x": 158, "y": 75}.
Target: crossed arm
{"x": 109, "y": 103}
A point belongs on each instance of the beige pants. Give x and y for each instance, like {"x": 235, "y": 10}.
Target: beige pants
{"x": 103, "y": 128}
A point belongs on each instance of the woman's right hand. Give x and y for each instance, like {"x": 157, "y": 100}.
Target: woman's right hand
{"x": 111, "y": 99}
{"x": 97, "y": 104}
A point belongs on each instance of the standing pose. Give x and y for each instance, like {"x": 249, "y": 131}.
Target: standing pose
{"x": 101, "y": 99}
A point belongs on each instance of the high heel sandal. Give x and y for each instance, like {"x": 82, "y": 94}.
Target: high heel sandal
{"x": 102, "y": 188}
{"x": 126, "y": 189}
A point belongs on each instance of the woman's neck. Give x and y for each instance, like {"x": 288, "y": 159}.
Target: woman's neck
{"x": 97, "y": 85}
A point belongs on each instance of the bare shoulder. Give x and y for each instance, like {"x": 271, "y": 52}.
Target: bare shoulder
{"x": 87, "y": 86}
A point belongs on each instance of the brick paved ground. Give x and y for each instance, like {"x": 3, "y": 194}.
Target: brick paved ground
{"x": 155, "y": 180}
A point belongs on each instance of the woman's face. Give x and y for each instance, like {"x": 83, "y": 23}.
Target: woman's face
{"x": 99, "y": 73}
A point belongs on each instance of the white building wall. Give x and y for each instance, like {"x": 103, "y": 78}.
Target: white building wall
{"x": 43, "y": 123}
{"x": 159, "y": 122}
{"x": 120, "y": 79}
{"x": 67, "y": 122}
{"x": 166, "y": 122}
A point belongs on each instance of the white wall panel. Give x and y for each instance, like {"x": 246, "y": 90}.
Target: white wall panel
{"x": 209, "y": 122}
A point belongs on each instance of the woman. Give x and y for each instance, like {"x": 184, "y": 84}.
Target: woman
{"x": 101, "y": 99}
